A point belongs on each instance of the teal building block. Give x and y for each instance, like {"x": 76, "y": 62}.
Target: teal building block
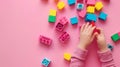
{"x": 103, "y": 16}
{"x": 71, "y": 2}
{"x": 90, "y": 17}
{"x": 74, "y": 20}
{"x": 45, "y": 62}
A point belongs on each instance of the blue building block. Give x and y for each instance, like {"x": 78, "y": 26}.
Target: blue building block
{"x": 90, "y": 17}
{"x": 110, "y": 46}
{"x": 103, "y": 16}
{"x": 80, "y": 6}
{"x": 45, "y": 62}
{"x": 74, "y": 20}
{"x": 71, "y": 2}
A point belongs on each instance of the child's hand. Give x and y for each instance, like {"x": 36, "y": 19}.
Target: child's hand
{"x": 86, "y": 35}
{"x": 101, "y": 41}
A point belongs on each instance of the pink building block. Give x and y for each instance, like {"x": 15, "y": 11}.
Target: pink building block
{"x": 61, "y": 24}
{"x": 91, "y": 2}
{"x": 64, "y": 37}
{"x": 45, "y": 40}
{"x": 79, "y": 1}
{"x": 119, "y": 34}
{"x": 82, "y": 13}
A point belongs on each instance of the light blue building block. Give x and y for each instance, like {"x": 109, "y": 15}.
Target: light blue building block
{"x": 74, "y": 20}
{"x": 103, "y": 16}
{"x": 80, "y": 6}
{"x": 110, "y": 46}
{"x": 90, "y": 17}
{"x": 71, "y": 2}
{"x": 45, "y": 62}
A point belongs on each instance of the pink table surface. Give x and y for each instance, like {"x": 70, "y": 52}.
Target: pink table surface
{"x": 22, "y": 21}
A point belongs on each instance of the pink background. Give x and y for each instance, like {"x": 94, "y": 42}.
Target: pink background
{"x": 22, "y": 21}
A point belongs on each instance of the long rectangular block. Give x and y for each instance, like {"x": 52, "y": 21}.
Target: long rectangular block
{"x": 90, "y": 17}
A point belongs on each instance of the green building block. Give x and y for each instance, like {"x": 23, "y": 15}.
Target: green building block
{"x": 115, "y": 37}
{"x": 51, "y": 18}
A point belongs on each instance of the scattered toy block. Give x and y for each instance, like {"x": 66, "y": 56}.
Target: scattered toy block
{"x": 98, "y": 6}
{"x": 45, "y": 62}
{"x": 61, "y": 24}
{"x": 92, "y": 23}
{"x": 67, "y": 56}
{"x": 90, "y": 9}
{"x": 90, "y": 17}
{"x": 82, "y": 13}
{"x": 60, "y": 5}
{"x": 115, "y": 37}
{"x": 64, "y": 37}
{"x": 52, "y": 12}
{"x": 103, "y": 16}
{"x": 45, "y": 40}
{"x": 80, "y": 6}
{"x": 51, "y": 19}
{"x": 74, "y": 20}
{"x": 91, "y": 2}
{"x": 71, "y": 2}
{"x": 110, "y": 46}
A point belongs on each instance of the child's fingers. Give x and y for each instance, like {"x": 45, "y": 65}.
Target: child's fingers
{"x": 93, "y": 36}
{"x": 101, "y": 30}
{"x": 86, "y": 25}
{"x": 89, "y": 28}
{"x": 92, "y": 29}
{"x": 82, "y": 27}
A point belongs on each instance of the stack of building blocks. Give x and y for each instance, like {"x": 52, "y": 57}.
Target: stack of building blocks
{"x": 115, "y": 37}
{"x": 67, "y": 56}
{"x": 82, "y": 13}
{"x": 45, "y": 40}
{"x": 90, "y": 9}
{"x": 61, "y": 24}
{"x": 45, "y": 62}
{"x": 74, "y": 20}
{"x": 103, "y": 16}
{"x": 91, "y": 2}
{"x": 110, "y": 46}
{"x": 90, "y": 17}
{"x": 71, "y": 2}
{"x": 64, "y": 37}
{"x": 60, "y": 5}
{"x": 98, "y": 6}
{"x": 80, "y": 6}
{"x": 52, "y": 16}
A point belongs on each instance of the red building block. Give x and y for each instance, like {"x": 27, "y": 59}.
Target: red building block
{"x": 61, "y": 24}
{"x": 45, "y": 40}
{"x": 93, "y": 23}
{"x": 119, "y": 34}
{"x": 64, "y": 37}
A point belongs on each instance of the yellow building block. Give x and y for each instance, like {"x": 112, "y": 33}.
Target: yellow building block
{"x": 98, "y": 6}
{"x": 67, "y": 56}
{"x": 90, "y": 9}
{"x": 52, "y": 12}
{"x": 60, "y": 5}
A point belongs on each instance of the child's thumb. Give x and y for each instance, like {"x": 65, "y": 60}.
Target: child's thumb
{"x": 94, "y": 35}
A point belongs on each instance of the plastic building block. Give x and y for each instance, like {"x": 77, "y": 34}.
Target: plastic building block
{"x": 98, "y": 6}
{"x": 90, "y": 17}
{"x": 110, "y": 46}
{"x": 92, "y": 23}
{"x": 115, "y": 37}
{"x": 51, "y": 18}
{"x": 79, "y": 1}
{"x": 60, "y": 5}
{"x": 80, "y": 6}
{"x": 45, "y": 62}
{"x": 91, "y": 2}
{"x": 82, "y": 13}
{"x": 96, "y": 30}
{"x": 64, "y": 37}
{"x": 45, "y": 40}
{"x": 90, "y": 9}
{"x": 119, "y": 34}
{"x": 103, "y": 16}
{"x": 67, "y": 56}
{"x": 74, "y": 20}
{"x": 71, "y": 2}
{"x": 52, "y": 12}
{"x": 61, "y": 24}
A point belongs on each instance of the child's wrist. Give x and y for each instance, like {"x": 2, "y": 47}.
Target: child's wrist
{"x": 82, "y": 46}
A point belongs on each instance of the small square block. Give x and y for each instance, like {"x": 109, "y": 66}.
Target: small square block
{"x": 67, "y": 56}
{"x": 45, "y": 62}
{"x": 60, "y": 5}
{"x": 52, "y": 12}
{"x": 82, "y": 13}
{"x": 115, "y": 37}
{"x": 51, "y": 18}
{"x": 74, "y": 20}
{"x": 91, "y": 2}
{"x": 98, "y": 6}
{"x": 45, "y": 40}
{"x": 61, "y": 24}
{"x": 110, "y": 46}
{"x": 103, "y": 16}
{"x": 90, "y": 17}
{"x": 71, "y": 2}
{"x": 80, "y": 6}
{"x": 64, "y": 37}
{"x": 90, "y": 9}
